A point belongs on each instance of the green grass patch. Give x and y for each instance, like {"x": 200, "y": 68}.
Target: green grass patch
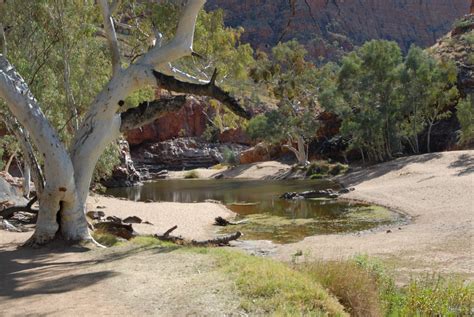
{"x": 360, "y": 287}
{"x": 105, "y": 239}
{"x": 270, "y": 287}
{"x": 150, "y": 241}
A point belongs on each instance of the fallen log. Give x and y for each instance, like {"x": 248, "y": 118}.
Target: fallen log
{"x": 10, "y": 211}
{"x": 219, "y": 241}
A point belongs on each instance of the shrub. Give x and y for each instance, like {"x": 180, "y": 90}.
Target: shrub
{"x": 465, "y": 115}
{"x": 354, "y": 286}
{"x": 437, "y": 296}
{"x": 230, "y": 157}
{"x": 109, "y": 159}
{"x": 320, "y": 169}
{"x": 272, "y": 288}
{"x": 317, "y": 167}
{"x": 211, "y": 133}
{"x": 191, "y": 174}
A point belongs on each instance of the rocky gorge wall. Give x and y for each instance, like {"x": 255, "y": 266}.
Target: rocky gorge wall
{"x": 328, "y": 27}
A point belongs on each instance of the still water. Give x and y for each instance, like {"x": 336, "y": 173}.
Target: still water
{"x": 269, "y": 217}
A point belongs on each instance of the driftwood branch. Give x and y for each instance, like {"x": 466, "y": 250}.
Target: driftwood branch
{"x": 219, "y": 241}
{"x": 9, "y": 212}
{"x": 210, "y": 90}
{"x": 147, "y": 112}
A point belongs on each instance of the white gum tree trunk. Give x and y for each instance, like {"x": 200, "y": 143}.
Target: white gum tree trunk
{"x": 301, "y": 151}
{"x": 67, "y": 173}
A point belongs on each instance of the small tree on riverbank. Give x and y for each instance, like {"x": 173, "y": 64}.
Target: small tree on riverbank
{"x": 291, "y": 80}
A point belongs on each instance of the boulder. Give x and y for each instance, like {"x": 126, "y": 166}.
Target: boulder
{"x": 260, "y": 153}
{"x": 234, "y": 135}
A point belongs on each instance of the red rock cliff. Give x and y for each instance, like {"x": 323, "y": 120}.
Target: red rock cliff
{"x": 328, "y": 27}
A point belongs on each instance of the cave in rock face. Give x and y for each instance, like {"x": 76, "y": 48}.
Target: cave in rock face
{"x": 328, "y": 27}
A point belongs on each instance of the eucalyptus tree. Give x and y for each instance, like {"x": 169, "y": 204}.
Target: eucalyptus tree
{"x": 291, "y": 79}
{"x": 428, "y": 89}
{"x": 368, "y": 99}
{"x": 63, "y": 183}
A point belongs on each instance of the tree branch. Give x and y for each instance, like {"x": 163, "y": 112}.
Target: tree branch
{"x": 147, "y": 112}
{"x": 209, "y": 90}
{"x": 111, "y": 35}
{"x": 182, "y": 43}
{"x": 59, "y": 171}
{"x": 29, "y": 155}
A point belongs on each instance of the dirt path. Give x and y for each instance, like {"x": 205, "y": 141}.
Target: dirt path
{"x": 436, "y": 190}
{"x": 123, "y": 281}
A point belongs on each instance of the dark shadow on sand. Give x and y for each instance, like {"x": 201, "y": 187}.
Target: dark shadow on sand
{"x": 465, "y": 163}
{"x": 27, "y": 272}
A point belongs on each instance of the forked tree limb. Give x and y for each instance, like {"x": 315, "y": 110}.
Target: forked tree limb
{"x": 210, "y": 90}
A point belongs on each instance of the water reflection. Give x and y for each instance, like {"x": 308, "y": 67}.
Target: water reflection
{"x": 270, "y": 217}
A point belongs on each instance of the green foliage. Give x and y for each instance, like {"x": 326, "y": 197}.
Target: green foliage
{"x": 463, "y": 22}
{"x": 62, "y": 50}
{"x": 469, "y": 38}
{"x": 428, "y": 295}
{"x": 105, "y": 239}
{"x": 66, "y": 64}
{"x": 465, "y": 115}
{"x": 230, "y": 157}
{"x": 191, "y": 174}
{"x": 321, "y": 169}
{"x": 107, "y": 161}
{"x": 428, "y": 88}
{"x": 436, "y": 296}
{"x": 385, "y": 102}
{"x": 270, "y": 287}
{"x": 353, "y": 286}
{"x": 291, "y": 79}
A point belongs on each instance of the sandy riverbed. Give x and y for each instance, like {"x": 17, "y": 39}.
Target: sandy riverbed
{"x": 436, "y": 190}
